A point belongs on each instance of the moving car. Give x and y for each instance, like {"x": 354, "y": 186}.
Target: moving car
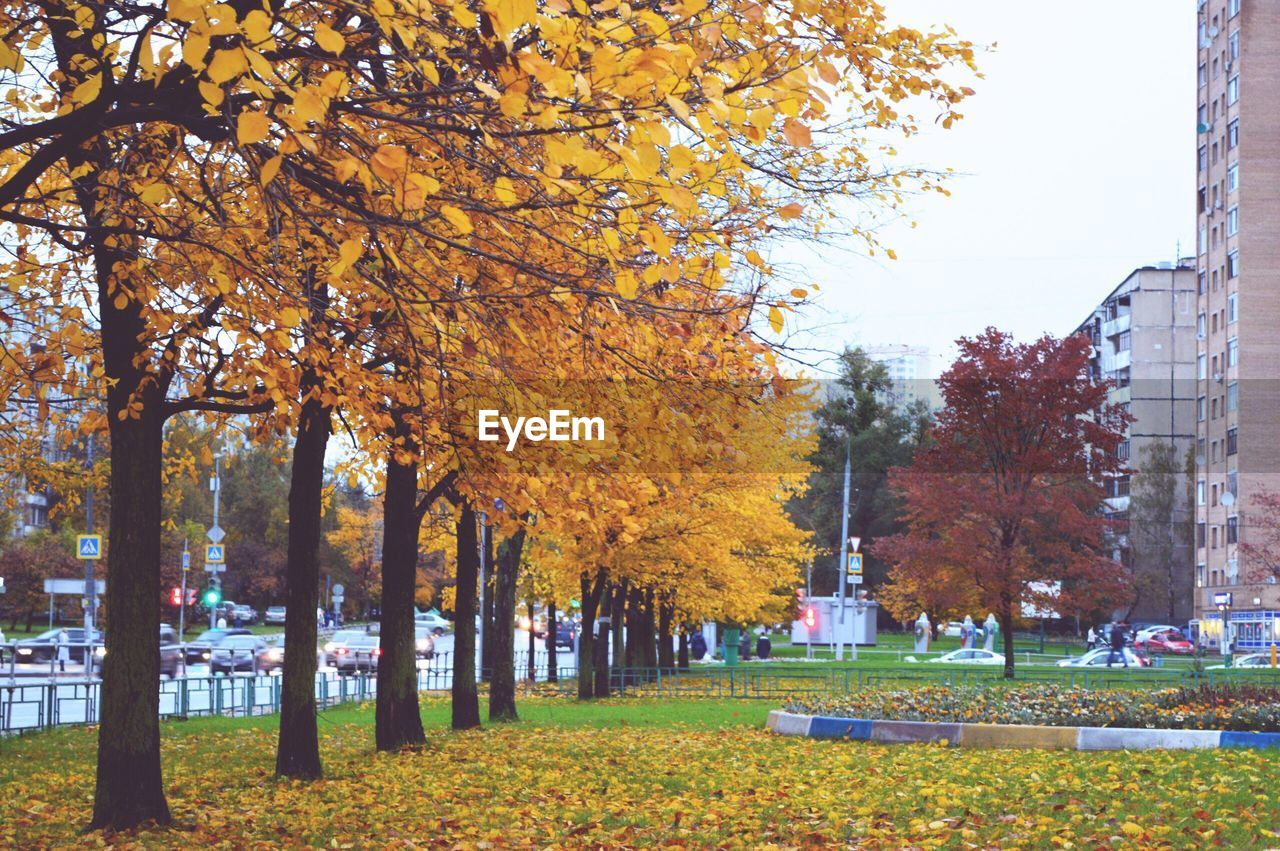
{"x": 439, "y": 625}
{"x": 359, "y": 654}
{"x": 974, "y": 656}
{"x": 44, "y": 647}
{"x": 1098, "y": 659}
{"x": 565, "y": 633}
{"x": 337, "y": 643}
{"x": 244, "y": 653}
{"x": 1164, "y": 642}
{"x": 1253, "y": 661}
{"x": 424, "y": 642}
{"x": 274, "y": 615}
{"x": 171, "y": 653}
{"x": 198, "y": 649}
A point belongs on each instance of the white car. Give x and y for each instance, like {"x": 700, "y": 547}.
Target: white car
{"x": 437, "y": 624}
{"x": 969, "y": 657}
{"x": 1159, "y": 629}
{"x": 1098, "y": 659}
{"x": 1253, "y": 660}
{"x": 953, "y": 629}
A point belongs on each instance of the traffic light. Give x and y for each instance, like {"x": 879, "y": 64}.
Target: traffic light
{"x": 175, "y": 596}
{"x": 810, "y": 617}
{"x": 212, "y": 596}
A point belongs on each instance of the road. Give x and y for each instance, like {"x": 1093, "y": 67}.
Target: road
{"x": 27, "y": 700}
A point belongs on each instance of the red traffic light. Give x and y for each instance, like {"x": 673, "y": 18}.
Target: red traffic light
{"x": 175, "y": 596}
{"x": 810, "y": 617}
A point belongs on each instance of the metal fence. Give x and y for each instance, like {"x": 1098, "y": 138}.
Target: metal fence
{"x": 69, "y": 701}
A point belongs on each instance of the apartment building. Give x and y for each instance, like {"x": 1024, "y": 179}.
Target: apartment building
{"x": 1238, "y": 291}
{"x": 911, "y": 373}
{"x": 1144, "y": 342}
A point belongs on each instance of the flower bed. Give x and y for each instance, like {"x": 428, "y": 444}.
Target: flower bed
{"x": 1244, "y": 708}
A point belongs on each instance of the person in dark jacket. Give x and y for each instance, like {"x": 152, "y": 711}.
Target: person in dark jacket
{"x": 1117, "y": 646}
{"x": 744, "y": 646}
{"x": 764, "y": 646}
{"x": 697, "y": 646}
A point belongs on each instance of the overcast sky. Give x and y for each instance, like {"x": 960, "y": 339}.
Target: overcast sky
{"x": 1076, "y": 162}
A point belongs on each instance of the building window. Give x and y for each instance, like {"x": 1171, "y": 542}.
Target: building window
{"x": 1201, "y": 327}
{"x": 1233, "y": 177}
{"x": 1200, "y": 575}
{"x": 1200, "y": 490}
{"x": 1204, "y": 74}
{"x": 1233, "y": 299}
{"x": 1233, "y": 89}
{"x": 1202, "y": 368}
{"x": 1122, "y": 450}
{"x": 1233, "y": 136}
{"x": 1233, "y": 482}
{"x": 1214, "y": 412}
{"x": 37, "y": 515}
{"x": 1233, "y": 441}
{"x": 1233, "y": 8}
{"x": 1233, "y": 220}
{"x": 1233, "y": 46}
{"x": 1123, "y": 342}
{"x": 1213, "y": 536}
{"x": 1233, "y": 264}
{"x": 1202, "y": 159}
{"x": 1233, "y": 352}
{"x": 1200, "y": 283}
{"x": 1200, "y": 535}
{"x": 1233, "y": 396}
{"x": 1233, "y": 529}
{"x": 1200, "y": 409}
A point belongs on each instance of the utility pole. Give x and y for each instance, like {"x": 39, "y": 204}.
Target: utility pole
{"x": 841, "y": 578}
{"x": 90, "y": 587}
{"x": 215, "y": 535}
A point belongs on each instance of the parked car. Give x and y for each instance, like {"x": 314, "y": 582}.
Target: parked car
{"x": 1098, "y": 659}
{"x": 274, "y": 615}
{"x": 244, "y": 613}
{"x": 1164, "y": 642}
{"x": 975, "y": 656}
{"x": 438, "y": 623}
{"x": 953, "y": 629}
{"x": 244, "y": 653}
{"x": 1253, "y": 660}
{"x": 44, "y": 647}
{"x": 337, "y": 644}
{"x": 424, "y": 642}
{"x": 359, "y": 654}
{"x": 198, "y": 649}
{"x": 565, "y": 633}
{"x": 1143, "y": 632}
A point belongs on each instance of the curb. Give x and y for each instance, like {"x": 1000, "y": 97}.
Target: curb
{"x": 1012, "y": 735}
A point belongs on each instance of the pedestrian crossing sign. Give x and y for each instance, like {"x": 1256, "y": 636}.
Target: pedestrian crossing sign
{"x": 215, "y": 553}
{"x": 89, "y": 547}
{"x": 855, "y": 564}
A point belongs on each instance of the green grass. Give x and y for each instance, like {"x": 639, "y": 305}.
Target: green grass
{"x": 640, "y": 773}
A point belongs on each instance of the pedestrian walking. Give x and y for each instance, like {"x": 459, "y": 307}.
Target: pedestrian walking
{"x": 744, "y": 646}
{"x": 1091, "y": 640}
{"x": 222, "y": 622}
{"x": 64, "y": 651}
{"x": 1117, "y": 646}
{"x": 697, "y": 646}
{"x": 764, "y": 646}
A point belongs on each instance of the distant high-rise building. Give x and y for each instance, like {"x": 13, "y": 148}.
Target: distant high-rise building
{"x": 1144, "y": 342}
{"x": 1238, "y": 316}
{"x": 911, "y": 373}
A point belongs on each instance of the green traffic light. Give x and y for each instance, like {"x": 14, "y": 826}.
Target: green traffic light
{"x": 212, "y": 596}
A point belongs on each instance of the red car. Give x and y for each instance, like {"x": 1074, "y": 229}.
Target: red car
{"x": 1166, "y": 642}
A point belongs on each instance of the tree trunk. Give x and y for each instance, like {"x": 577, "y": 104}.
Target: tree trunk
{"x": 298, "y": 750}
{"x": 666, "y": 612}
{"x": 502, "y": 685}
{"x": 618, "y": 621}
{"x": 650, "y": 632}
{"x": 553, "y": 634}
{"x": 130, "y": 788}
{"x": 397, "y": 719}
{"x": 633, "y": 618}
{"x": 682, "y": 654}
{"x": 466, "y": 701}
{"x": 592, "y": 592}
{"x": 1006, "y": 625}
{"x": 487, "y": 598}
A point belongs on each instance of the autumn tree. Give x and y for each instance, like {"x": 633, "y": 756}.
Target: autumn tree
{"x": 1003, "y": 507}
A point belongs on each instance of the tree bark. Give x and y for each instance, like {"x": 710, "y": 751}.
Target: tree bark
{"x": 487, "y": 599}
{"x": 533, "y": 644}
{"x": 466, "y": 701}
{"x": 592, "y": 592}
{"x": 682, "y": 653}
{"x": 553, "y": 631}
{"x": 633, "y": 617}
{"x": 618, "y": 622}
{"x": 130, "y": 788}
{"x": 649, "y": 632}
{"x": 298, "y": 750}
{"x": 502, "y": 685}
{"x": 397, "y": 719}
{"x": 666, "y": 613}
{"x": 1006, "y": 626}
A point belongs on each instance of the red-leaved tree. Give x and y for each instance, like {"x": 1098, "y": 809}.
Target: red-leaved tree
{"x": 1003, "y": 506}
{"x": 1260, "y": 549}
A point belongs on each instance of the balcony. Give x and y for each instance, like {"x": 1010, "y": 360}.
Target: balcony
{"x": 1112, "y": 327}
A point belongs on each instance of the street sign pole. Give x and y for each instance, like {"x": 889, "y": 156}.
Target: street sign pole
{"x": 90, "y": 587}
{"x": 838, "y": 627}
{"x": 215, "y": 533}
{"x": 182, "y": 603}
